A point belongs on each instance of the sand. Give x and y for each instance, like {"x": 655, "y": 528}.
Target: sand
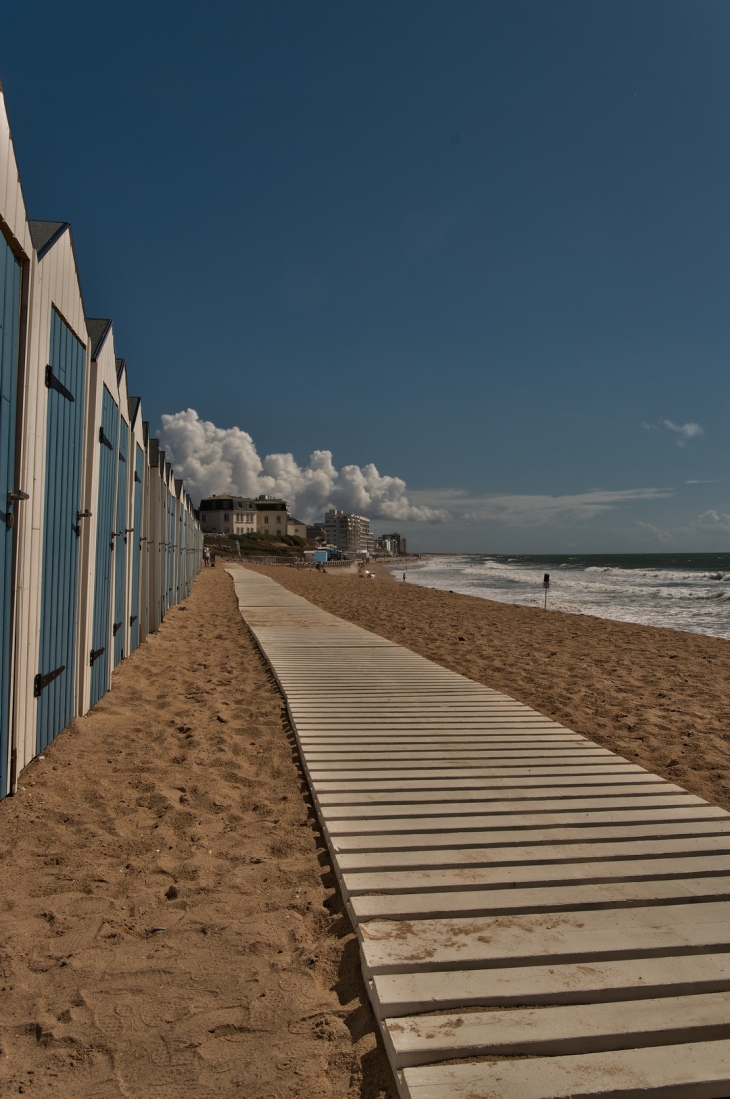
{"x": 659, "y": 697}
{"x": 169, "y": 924}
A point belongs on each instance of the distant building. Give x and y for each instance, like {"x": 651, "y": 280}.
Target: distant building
{"x": 348, "y": 533}
{"x": 248, "y": 515}
{"x": 293, "y": 526}
{"x": 316, "y": 532}
{"x": 394, "y": 544}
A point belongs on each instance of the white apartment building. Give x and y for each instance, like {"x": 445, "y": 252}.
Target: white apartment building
{"x": 394, "y": 544}
{"x": 347, "y": 532}
{"x": 248, "y": 515}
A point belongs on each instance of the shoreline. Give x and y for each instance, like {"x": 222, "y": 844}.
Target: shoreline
{"x": 695, "y": 599}
{"x": 657, "y": 696}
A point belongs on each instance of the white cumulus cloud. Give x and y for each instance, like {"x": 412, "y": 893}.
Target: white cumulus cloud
{"x": 714, "y": 520}
{"x": 224, "y": 459}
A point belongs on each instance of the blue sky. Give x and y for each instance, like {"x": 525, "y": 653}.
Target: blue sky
{"x": 481, "y": 246}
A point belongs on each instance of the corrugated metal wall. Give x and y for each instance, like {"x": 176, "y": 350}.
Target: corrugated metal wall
{"x": 104, "y": 537}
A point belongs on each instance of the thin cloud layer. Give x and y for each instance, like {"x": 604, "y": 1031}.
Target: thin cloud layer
{"x": 218, "y": 460}
{"x": 684, "y": 432}
{"x": 538, "y": 510}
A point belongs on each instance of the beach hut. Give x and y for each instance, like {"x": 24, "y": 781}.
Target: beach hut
{"x": 121, "y": 522}
{"x": 16, "y": 260}
{"x": 169, "y": 536}
{"x": 103, "y": 427}
{"x": 179, "y": 536}
{"x": 52, "y": 455}
{"x": 155, "y": 528}
{"x": 136, "y": 497}
{"x": 144, "y": 614}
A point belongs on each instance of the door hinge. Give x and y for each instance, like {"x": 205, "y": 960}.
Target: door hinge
{"x": 137, "y": 477}
{"x": 133, "y": 619}
{"x": 121, "y": 457}
{"x": 42, "y": 681}
{"x": 52, "y": 382}
{"x": 117, "y": 627}
{"x": 95, "y": 654}
{"x": 103, "y": 439}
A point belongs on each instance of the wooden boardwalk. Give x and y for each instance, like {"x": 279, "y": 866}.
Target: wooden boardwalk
{"x": 538, "y": 917}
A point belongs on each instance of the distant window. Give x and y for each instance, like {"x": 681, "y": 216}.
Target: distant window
{"x": 225, "y": 519}
{"x": 266, "y": 518}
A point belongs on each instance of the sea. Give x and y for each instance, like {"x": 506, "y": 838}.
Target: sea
{"x": 682, "y": 591}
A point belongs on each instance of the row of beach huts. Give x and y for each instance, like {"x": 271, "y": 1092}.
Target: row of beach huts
{"x": 100, "y": 538}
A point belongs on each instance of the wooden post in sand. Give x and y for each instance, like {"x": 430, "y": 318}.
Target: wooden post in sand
{"x": 546, "y": 585}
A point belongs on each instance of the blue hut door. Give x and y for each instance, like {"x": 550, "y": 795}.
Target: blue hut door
{"x": 179, "y": 554}
{"x": 120, "y": 547}
{"x": 104, "y": 546}
{"x": 136, "y": 549}
{"x": 55, "y": 680}
{"x": 9, "y": 317}
{"x": 169, "y": 544}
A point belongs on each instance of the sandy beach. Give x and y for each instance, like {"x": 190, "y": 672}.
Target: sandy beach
{"x": 169, "y": 923}
{"x": 659, "y": 697}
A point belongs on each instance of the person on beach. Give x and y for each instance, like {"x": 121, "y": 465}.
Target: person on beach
{"x": 212, "y": 560}
{"x": 404, "y": 578}
{"x": 206, "y": 556}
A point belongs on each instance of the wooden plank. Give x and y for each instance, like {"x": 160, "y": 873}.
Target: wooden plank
{"x": 522, "y": 786}
{"x": 551, "y": 939}
{"x": 547, "y": 898}
{"x": 407, "y": 755}
{"x": 557, "y": 1031}
{"x": 403, "y": 806}
{"x": 517, "y": 822}
{"x": 699, "y": 1070}
{"x": 453, "y": 858}
{"x": 532, "y": 874}
{"x": 501, "y": 839}
{"x": 461, "y": 757}
{"x": 517, "y": 770}
{"x": 395, "y": 994}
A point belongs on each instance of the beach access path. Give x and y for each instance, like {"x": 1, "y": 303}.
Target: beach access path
{"x": 537, "y": 916}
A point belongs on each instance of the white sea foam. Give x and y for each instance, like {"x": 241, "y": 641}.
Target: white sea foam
{"x": 682, "y": 591}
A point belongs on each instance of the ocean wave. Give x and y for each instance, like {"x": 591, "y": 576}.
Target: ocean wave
{"x": 695, "y": 598}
